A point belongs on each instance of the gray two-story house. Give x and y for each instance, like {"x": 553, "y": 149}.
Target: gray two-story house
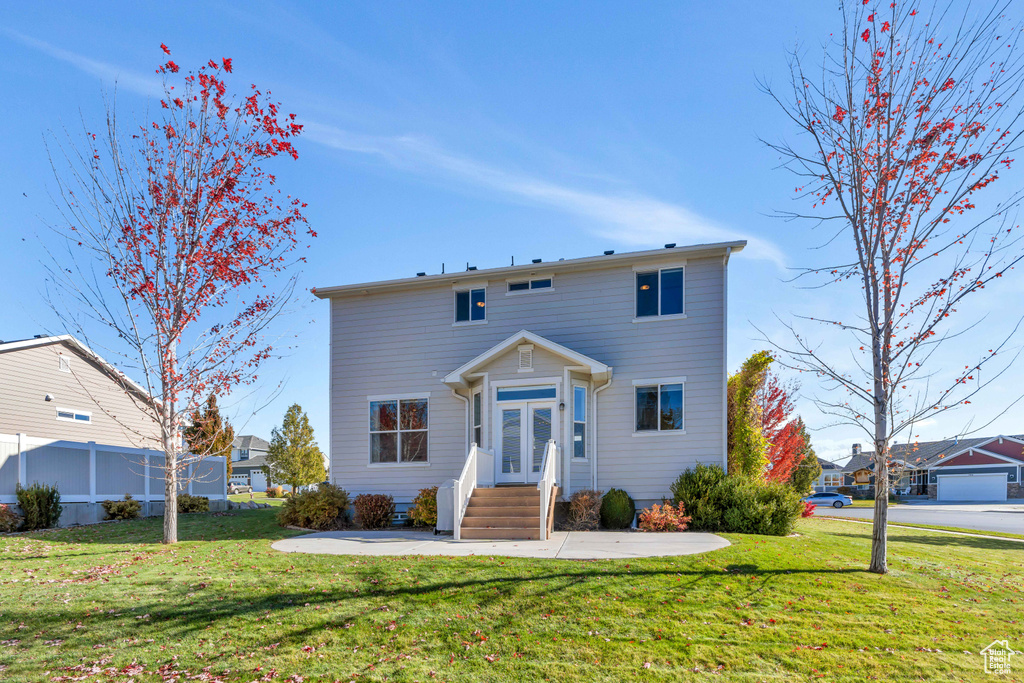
{"x": 611, "y": 367}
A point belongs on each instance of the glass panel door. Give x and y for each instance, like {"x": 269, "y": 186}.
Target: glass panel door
{"x": 541, "y": 434}
{"x": 511, "y": 444}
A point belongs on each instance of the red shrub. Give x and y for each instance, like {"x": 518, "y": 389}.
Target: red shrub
{"x": 808, "y": 509}
{"x": 663, "y": 518}
{"x": 374, "y": 510}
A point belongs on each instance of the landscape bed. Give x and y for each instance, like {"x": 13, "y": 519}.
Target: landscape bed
{"x": 108, "y": 602}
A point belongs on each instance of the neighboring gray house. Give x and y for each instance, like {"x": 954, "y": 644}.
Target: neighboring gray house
{"x": 619, "y": 360}
{"x": 831, "y": 477}
{"x": 248, "y": 458}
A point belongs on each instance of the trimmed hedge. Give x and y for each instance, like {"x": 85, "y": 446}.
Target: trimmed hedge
{"x": 617, "y": 510}
{"x": 188, "y": 503}
{"x": 736, "y": 504}
{"x": 325, "y": 509}
{"x": 129, "y": 508}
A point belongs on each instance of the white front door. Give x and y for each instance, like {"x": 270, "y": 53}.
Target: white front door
{"x": 522, "y": 433}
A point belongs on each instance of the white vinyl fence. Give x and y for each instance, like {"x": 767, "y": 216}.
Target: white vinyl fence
{"x": 92, "y": 472}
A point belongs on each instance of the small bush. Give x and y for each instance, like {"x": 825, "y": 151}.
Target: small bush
{"x": 698, "y": 490}
{"x": 584, "y": 510}
{"x": 40, "y": 504}
{"x": 424, "y": 508}
{"x": 188, "y": 503}
{"x": 617, "y": 510}
{"x": 129, "y": 508}
{"x": 663, "y": 517}
{"x": 275, "y": 492}
{"x": 374, "y": 510}
{"x": 845, "y": 490}
{"x": 9, "y": 519}
{"x": 323, "y": 509}
{"x": 808, "y": 509}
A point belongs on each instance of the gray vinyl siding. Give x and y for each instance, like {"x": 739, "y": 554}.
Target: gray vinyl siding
{"x": 404, "y": 343}
{"x": 27, "y": 375}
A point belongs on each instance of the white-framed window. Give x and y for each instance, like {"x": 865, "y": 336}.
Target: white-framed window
{"x": 478, "y": 412}
{"x": 833, "y": 479}
{"x": 471, "y": 305}
{"x": 529, "y": 285}
{"x": 579, "y": 421}
{"x": 398, "y": 431}
{"x": 659, "y": 405}
{"x": 66, "y": 415}
{"x": 660, "y": 293}
{"x": 63, "y": 363}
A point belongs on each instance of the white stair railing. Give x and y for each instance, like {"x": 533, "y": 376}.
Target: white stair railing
{"x": 464, "y": 486}
{"x": 547, "y": 481}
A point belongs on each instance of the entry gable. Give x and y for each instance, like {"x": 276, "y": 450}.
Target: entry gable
{"x": 460, "y": 378}
{"x": 1006, "y": 446}
{"x": 974, "y": 456}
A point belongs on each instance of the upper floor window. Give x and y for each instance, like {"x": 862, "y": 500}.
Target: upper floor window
{"x": 659, "y": 292}
{"x": 73, "y": 415}
{"x": 471, "y": 305}
{"x": 659, "y": 406}
{"x": 527, "y": 285}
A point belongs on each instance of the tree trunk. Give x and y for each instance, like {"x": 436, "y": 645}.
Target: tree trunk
{"x": 880, "y": 525}
{"x": 170, "y": 495}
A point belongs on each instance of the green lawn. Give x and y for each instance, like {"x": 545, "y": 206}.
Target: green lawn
{"x": 257, "y": 497}
{"x": 223, "y": 602}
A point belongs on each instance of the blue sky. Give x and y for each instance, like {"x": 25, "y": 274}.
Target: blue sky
{"x": 463, "y": 132}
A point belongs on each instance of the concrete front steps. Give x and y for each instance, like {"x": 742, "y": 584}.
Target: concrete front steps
{"x": 503, "y": 512}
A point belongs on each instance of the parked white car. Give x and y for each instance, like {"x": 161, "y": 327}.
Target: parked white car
{"x": 836, "y": 500}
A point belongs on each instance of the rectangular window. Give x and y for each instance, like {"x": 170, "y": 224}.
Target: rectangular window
{"x": 659, "y": 407}
{"x": 833, "y": 480}
{"x": 477, "y": 419}
{"x": 659, "y": 292}
{"x": 579, "y": 421}
{"x": 398, "y": 431}
{"x": 471, "y": 305}
{"x": 73, "y": 415}
{"x": 526, "y": 393}
{"x": 527, "y": 285}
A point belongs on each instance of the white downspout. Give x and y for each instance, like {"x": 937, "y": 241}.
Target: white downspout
{"x": 725, "y": 360}
{"x": 597, "y": 426}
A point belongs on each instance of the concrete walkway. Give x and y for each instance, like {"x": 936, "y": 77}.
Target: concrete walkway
{"x": 576, "y": 545}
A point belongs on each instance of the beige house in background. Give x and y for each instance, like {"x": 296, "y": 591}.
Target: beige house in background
{"x": 55, "y": 387}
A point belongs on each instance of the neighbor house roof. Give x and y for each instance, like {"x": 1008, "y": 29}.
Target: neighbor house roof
{"x": 82, "y": 350}
{"x": 828, "y": 465}
{"x": 248, "y": 442}
{"x": 561, "y": 266}
{"x": 921, "y": 454}
{"x": 254, "y": 462}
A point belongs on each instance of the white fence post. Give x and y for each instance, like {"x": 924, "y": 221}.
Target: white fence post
{"x": 189, "y": 475}
{"x": 22, "y": 461}
{"x": 92, "y": 471}
{"x": 145, "y": 490}
{"x": 225, "y": 473}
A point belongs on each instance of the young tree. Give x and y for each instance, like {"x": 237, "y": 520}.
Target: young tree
{"x": 808, "y": 470}
{"x": 911, "y": 120}
{"x": 293, "y": 457}
{"x": 209, "y": 433}
{"x": 177, "y": 241}
{"x": 747, "y": 447}
{"x": 784, "y": 441}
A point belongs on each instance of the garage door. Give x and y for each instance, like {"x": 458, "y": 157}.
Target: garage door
{"x": 972, "y": 487}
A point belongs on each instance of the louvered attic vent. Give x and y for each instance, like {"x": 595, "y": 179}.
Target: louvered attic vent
{"x": 525, "y": 357}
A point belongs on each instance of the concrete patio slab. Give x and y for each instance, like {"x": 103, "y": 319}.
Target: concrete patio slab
{"x": 577, "y": 545}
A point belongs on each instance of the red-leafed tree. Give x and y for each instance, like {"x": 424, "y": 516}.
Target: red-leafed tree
{"x": 179, "y": 242}
{"x": 905, "y": 128}
{"x": 786, "y": 445}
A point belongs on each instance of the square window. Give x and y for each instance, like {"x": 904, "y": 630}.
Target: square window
{"x": 659, "y": 407}
{"x": 414, "y": 446}
{"x": 659, "y": 292}
{"x": 384, "y": 447}
{"x": 470, "y": 305}
{"x": 398, "y": 431}
{"x": 383, "y": 416}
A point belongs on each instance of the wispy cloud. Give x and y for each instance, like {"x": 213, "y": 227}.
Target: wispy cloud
{"x": 631, "y": 219}
{"x": 149, "y": 86}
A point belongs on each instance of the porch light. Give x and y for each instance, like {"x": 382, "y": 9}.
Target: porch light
{"x": 645, "y": 287}
{"x": 480, "y": 304}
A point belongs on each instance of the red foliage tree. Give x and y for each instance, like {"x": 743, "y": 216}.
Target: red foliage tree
{"x": 178, "y": 242}
{"x": 786, "y": 445}
{"x": 910, "y": 119}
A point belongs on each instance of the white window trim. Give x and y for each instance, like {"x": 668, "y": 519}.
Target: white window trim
{"x": 530, "y": 289}
{"x": 672, "y": 316}
{"x": 455, "y": 305}
{"x": 658, "y": 382}
{"x": 398, "y": 441}
{"x": 74, "y": 412}
{"x": 586, "y": 421}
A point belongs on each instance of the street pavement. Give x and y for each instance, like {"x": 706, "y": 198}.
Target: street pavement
{"x": 1007, "y": 517}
